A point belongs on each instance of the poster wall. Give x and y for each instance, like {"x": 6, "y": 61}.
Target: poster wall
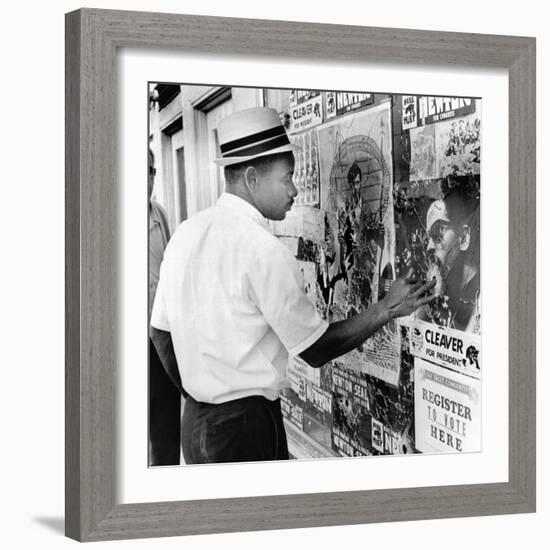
{"x": 356, "y": 233}
{"x": 387, "y": 184}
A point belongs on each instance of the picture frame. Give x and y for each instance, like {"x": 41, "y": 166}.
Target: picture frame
{"x": 92, "y": 39}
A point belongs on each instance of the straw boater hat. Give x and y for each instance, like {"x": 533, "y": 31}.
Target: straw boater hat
{"x": 252, "y": 133}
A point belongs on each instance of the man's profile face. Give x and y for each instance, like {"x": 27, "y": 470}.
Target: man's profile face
{"x": 275, "y": 191}
{"x": 443, "y": 244}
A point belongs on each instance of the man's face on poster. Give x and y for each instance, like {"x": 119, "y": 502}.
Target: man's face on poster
{"x": 445, "y": 244}
{"x": 354, "y": 178}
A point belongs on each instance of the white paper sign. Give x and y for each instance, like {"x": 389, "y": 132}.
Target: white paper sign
{"x": 447, "y": 410}
{"x": 454, "y": 349}
{"x": 306, "y": 115}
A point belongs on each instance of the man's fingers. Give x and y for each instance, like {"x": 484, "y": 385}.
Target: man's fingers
{"x": 409, "y": 274}
{"x": 415, "y": 286}
{"x": 422, "y": 301}
{"x": 423, "y": 288}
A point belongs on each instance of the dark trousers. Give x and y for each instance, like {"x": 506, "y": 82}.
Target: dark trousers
{"x": 164, "y": 414}
{"x": 242, "y": 430}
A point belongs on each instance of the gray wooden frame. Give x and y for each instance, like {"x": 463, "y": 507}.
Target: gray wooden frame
{"x": 92, "y": 39}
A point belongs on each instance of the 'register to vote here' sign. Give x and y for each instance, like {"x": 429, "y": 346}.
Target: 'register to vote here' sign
{"x": 447, "y": 410}
{"x": 447, "y": 379}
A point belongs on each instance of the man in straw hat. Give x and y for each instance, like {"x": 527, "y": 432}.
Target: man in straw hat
{"x": 230, "y": 304}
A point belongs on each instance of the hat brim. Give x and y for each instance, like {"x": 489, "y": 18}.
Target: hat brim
{"x": 228, "y": 161}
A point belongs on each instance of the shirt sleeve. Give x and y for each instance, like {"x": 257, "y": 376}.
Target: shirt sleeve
{"x": 159, "y": 316}
{"x": 276, "y": 288}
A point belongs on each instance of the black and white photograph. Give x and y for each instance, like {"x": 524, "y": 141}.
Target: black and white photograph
{"x": 274, "y": 275}
{"x": 314, "y": 274}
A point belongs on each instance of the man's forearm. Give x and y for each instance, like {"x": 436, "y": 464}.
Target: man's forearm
{"x": 346, "y": 335}
{"x": 405, "y": 296}
{"x": 162, "y": 341}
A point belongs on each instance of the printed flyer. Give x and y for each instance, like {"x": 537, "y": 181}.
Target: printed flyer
{"x": 318, "y": 413}
{"x": 351, "y": 101}
{"x": 453, "y": 349}
{"x": 304, "y": 116}
{"x": 423, "y": 158}
{"x": 409, "y": 117}
{"x": 438, "y": 108}
{"x": 351, "y": 412}
{"x": 447, "y": 410}
{"x": 292, "y": 409}
{"x": 306, "y": 169}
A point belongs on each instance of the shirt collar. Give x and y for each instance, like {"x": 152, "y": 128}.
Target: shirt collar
{"x": 240, "y": 206}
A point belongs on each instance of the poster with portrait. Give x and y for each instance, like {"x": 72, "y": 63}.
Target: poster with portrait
{"x": 438, "y": 236}
{"x": 359, "y": 246}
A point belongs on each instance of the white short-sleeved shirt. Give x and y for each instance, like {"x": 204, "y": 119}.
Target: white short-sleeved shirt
{"x": 231, "y": 295}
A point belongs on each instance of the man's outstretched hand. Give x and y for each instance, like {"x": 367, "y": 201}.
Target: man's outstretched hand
{"x": 407, "y": 294}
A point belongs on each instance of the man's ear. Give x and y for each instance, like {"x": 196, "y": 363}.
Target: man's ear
{"x": 465, "y": 238}
{"x": 251, "y": 178}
